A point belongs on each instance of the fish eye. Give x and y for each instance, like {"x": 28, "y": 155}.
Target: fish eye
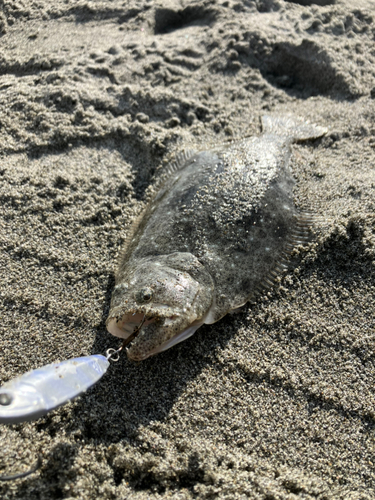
{"x": 145, "y": 295}
{"x": 5, "y": 399}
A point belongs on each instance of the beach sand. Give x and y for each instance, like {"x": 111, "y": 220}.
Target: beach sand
{"x": 274, "y": 403}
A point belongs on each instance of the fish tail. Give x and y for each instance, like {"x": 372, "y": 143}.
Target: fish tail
{"x": 292, "y": 127}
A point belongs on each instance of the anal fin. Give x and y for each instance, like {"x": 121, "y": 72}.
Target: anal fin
{"x": 301, "y": 234}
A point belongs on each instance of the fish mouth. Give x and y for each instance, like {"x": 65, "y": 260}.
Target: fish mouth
{"x": 139, "y": 355}
{"x": 125, "y": 325}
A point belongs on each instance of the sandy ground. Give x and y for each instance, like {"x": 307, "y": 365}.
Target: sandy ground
{"x": 274, "y": 403}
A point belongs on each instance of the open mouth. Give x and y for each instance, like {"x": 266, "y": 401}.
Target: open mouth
{"x": 125, "y": 326}
{"x": 129, "y": 325}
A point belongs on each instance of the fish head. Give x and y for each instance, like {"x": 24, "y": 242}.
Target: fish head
{"x": 20, "y": 402}
{"x": 170, "y": 295}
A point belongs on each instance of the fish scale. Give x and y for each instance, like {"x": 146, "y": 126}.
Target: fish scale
{"x": 218, "y": 231}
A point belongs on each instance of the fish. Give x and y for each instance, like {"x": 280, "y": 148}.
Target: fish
{"x": 39, "y": 391}
{"x": 218, "y": 231}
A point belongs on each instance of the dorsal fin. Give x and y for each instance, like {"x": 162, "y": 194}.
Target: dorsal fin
{"x": 160, "y": 178}
{"x": 130, "y": 233}
{"x": 177, "y": 163}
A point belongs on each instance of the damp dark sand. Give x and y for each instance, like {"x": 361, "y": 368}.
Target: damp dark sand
{"x": 276, "y": 402}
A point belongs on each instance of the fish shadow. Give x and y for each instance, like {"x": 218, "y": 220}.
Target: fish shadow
{"x": 56, "y": 470}
{"x": 129, "y": 396}
{"x": 133, "y": 394}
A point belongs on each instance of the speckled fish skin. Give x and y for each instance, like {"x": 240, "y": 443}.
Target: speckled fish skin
{"x": 217, "y": 232}
{"x": 39, "y": 391}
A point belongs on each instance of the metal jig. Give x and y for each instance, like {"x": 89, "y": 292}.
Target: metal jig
{"x": 111, "y": 355}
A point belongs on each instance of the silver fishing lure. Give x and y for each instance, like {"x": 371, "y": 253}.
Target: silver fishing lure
{"x": 39, "y": 391}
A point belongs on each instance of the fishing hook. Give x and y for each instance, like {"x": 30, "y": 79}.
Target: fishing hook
{"x": 112, "y": 352}
{"x": 20, "y": 475}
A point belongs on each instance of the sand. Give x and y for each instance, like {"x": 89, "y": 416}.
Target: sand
{"x": 276, "y": 402}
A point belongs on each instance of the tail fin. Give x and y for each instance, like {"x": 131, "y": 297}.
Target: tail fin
{"x": 289, "y": 126}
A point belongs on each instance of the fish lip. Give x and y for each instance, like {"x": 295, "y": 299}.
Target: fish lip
{"x": 122, "y": 315}
{"x": 176, "y": 339}
{"x": 117, "y": 315}
{"x": 131, "y": 312}
{"x": 148, "y": 311}
{"x": 140, "y": 357}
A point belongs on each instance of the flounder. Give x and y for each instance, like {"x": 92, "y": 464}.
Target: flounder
{"x": 217, "y": 232}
